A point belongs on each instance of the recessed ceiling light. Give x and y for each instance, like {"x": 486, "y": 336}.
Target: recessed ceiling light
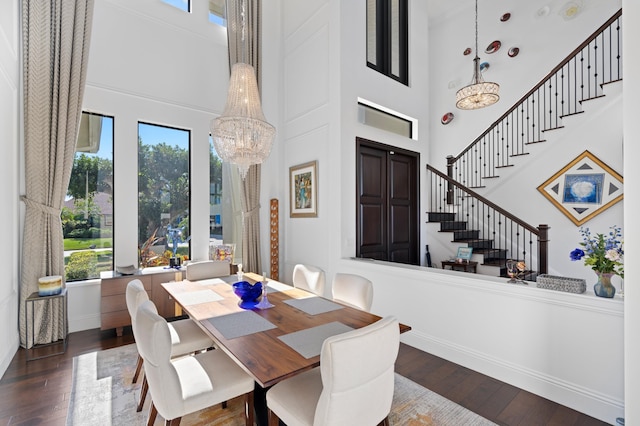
{"x": 570, "y": 10}
{"x": 542, "y": 12}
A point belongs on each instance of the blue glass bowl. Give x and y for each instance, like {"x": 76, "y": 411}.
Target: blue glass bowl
{"x": 248, "y": 294}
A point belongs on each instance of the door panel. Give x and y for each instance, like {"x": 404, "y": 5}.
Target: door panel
{"x": 372, "y": 194}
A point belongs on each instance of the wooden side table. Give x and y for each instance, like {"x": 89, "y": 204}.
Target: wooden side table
{"x": 30, "y": 326}
{"x": 460, "y": 266}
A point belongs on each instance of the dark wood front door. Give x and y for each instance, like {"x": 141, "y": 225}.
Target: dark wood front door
{"x": 387, "y": 199}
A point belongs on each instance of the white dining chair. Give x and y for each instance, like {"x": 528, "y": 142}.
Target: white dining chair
{"x": 309, "y": 278}
{"x": 184, "y": 385}
{"x": 353, "y": 386}
{"x": 186, "y": 336}
{"x": 206, "y": 269}
{"x": 353, "y": 290}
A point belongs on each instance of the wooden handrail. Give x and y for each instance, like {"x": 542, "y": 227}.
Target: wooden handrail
{"x": 530, "y": 228}
{"x": 451, "y": 187}
{"x": 541, "y": 83}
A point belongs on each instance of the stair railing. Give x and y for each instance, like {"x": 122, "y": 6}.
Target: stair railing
{"x": 510, "y": 237}
{"x": 579, "y": 77}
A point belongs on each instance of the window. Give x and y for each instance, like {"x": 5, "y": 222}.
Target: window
{"x": 218, "y": 12}
{"x": 387, "y": 38}
{"x": 163, "y": 194}
{"x": 215, "y": 195}
{"x": 225, "y": 205}
{"x": 87, "y": 214}
{"x": 180, "y": 4}
{"x": 387, "y": 119}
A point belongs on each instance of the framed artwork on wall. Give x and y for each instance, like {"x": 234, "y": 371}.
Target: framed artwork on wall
{"x": 464, "y": 254}
{"x": 583, "y": 188}
{"x": 223, "y": 252}
{"x": 303, "y": 190}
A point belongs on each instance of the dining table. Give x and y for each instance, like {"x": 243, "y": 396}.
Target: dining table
{"x": 270, "y": 344}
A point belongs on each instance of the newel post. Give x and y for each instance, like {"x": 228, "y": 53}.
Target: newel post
{"x": 543, "y": 249}
{"x": 450, "y": 161}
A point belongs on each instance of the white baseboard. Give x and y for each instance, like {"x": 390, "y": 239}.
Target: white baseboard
{"x": 588, "y": 401}
{"x": 10, "y": 351}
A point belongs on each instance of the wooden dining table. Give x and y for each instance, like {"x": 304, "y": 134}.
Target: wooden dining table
{"x": 266, "y": 355}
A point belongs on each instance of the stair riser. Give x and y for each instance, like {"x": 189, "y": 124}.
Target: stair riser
{"x": 453, "y": 226}
{"x": 441, "y": 217}
{"x": 465, "y": 235}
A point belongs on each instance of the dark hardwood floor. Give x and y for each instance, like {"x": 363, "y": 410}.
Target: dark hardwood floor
{"x": 37, "y": 392}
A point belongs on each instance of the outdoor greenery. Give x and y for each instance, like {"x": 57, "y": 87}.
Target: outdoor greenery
{"x": 86, "y": 243}
{"x": 163, "y": 187}
{"x": 90, "y": 174}
{"x": 82, "y": 265}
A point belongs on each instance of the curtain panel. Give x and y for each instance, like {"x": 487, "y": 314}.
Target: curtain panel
{"x": 56, "y": 35}
{"x": 244, "y": 19}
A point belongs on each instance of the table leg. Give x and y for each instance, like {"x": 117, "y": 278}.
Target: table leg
{"x": 260, "y": 404}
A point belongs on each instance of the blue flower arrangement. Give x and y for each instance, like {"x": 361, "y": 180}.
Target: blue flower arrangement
{"x": 602, "y": 253}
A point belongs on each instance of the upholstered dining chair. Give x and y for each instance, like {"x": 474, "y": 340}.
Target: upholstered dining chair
{"x": 184, "y": 385}
{"x": 353, "y": 386}
{"x": 309, "y": 278}
{"x": 205, "y": 269}
{"x": 352, "y": 289}
{"x": 186, "y": 336}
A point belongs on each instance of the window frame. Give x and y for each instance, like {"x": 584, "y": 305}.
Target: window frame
{"x": 384, "y": 33}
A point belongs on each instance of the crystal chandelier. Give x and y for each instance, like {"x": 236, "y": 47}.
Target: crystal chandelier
{"x": 479, "y": 93}
{"x": 241, "y": 135}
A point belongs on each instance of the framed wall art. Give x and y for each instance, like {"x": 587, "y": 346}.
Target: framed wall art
{"x": 464, "y": 254}
{"x": 583, "y": 188}
{"x": 223, "y": 252}
{"x": 303, "y": 190}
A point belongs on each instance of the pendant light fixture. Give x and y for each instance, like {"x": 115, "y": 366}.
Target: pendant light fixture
{"x": 479, "y": 93}
{"x": 241, "y": 135}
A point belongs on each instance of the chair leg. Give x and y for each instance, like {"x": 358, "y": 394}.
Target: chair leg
{"x": 173, "y": 422}
{"x": 138, "y": 368}
{"x": 224, "y": 404}
{"x": 248, "y": 408}
{"x": 384, "y": 422}
{"x": 153, "y": 413}
{"x": 143, "y": 393}
{"x": 274, "y": 420}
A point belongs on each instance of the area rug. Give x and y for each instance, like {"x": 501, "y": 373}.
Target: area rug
{"x": 102, "y": 394}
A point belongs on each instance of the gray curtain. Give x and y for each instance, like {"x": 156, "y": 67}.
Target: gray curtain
{"x": 56, "y": 36}
{"x": 245, "y": 46}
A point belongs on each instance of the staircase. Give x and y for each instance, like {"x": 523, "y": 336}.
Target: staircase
{"x": 494, "y": 234}
{"x": 472, "y": 220}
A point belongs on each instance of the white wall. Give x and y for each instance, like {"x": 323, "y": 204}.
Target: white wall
{"x": 10, "y": 166}
{"x": 565, "y": 347}
{"x": 632, "y": 206}
{"x": 162, "y": 66}
{"x": 543, "y": 42}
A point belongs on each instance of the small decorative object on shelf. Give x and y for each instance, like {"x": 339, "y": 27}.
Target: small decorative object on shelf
{"x": 569, "y": 285}
{"x": 50, "y": 285}
{"x": 515, "y": 271}
{"x": 605, "y": 255}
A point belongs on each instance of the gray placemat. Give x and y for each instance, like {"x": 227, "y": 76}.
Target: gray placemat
{"x": 308, "y": 343}
{"x": 314, "y": 305}
{"x": 240, "y": 324}
{"x": 274, "y": 287}
{"x": 210, "y": 281}
{"x": 196, "y": 297}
